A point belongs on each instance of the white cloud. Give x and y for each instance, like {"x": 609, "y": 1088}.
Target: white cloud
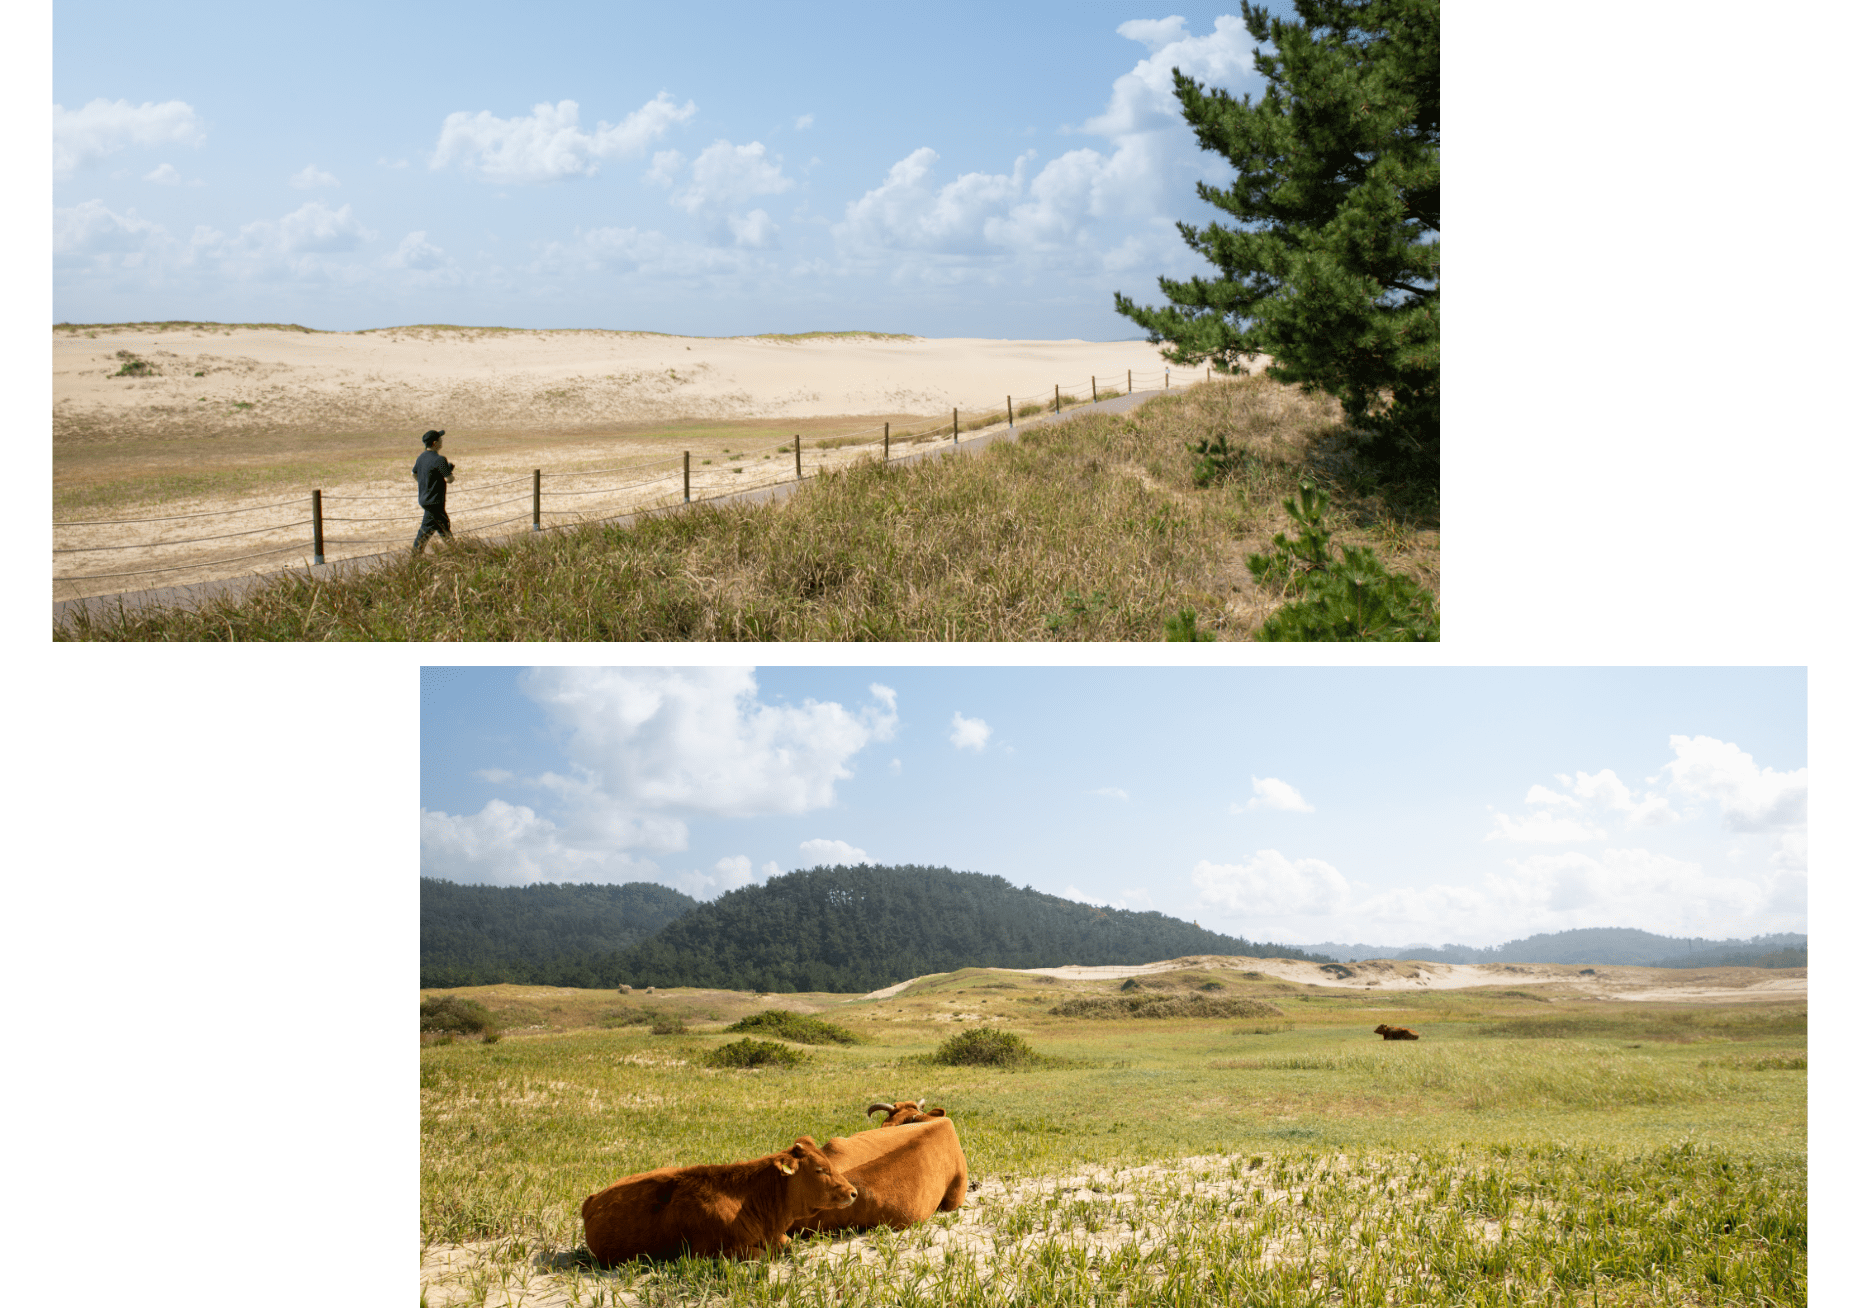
{"x": 496, "y": 776}
{"x": 92, "y": 229}
{"x": 665, "y": 167}
{"x": 1110, "y": 792}
{"x": 510, "y": 845}
{"x": 310, "y": 177}
{"x": 1272, "y": 885}
{"x": 166, "y": 175}
{"x": 969, "y": 733}
{"x": 832, "y": 851}
{"x": 754, "y": 230}
{"x": 103, "y": 127}
{"x": 697, "y": 739}
{"x": 316, "y": 229}
{"x": 1543, "y": 828}
{"x": 1751, "y": 800}
{"x": 1579, "y": 810}
{"x": 549, "y": 144}
{"x": 733, "y": 873}
{"x": 1270, "y": 792}
{"x": 1078, "y": 896}
{"x": 723, "y": 178}
{"x": 897, "y": 766}
{"x": 415, "y": 252}
{"x": 804, "y": 122}
{"x": 1086, "y": 212}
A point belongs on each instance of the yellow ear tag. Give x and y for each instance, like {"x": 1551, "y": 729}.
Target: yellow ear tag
{"x": 786, "y": 1167}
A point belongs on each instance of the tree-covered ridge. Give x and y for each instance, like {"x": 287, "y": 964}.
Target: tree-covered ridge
{"x": 852, "y": 929}
{"x": 1620, "y": 946}
{"x": 544, "y": 934}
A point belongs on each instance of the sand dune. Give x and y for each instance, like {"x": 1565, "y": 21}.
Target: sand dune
{"x": 143, "y": 417}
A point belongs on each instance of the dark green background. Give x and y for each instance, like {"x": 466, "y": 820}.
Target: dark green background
{"x": 212, "y": 914}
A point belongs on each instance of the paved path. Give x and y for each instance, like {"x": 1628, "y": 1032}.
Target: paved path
{"x": 188, "y": 596}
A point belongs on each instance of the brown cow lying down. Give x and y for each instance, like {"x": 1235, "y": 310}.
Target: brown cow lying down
{"x": 904, "y": 1112}
{"x": 1388, "y": 1032}
{"x": 904, "y": 1174}
{"x": 737, "y": 1209}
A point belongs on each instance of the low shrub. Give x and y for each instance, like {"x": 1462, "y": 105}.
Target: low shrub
{"x": 667, "y": 1025}
{"x": 1151, "y": 1005}
{"x": 453, "y": 1015}
{"x": 755, "y": 1053}
{"x": 798, "y": 1027}
{"x": 985, "y": 1046}
{"x": 1352, "y": 598}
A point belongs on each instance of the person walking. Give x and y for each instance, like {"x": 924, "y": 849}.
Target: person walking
{"x": 431, "y": 472}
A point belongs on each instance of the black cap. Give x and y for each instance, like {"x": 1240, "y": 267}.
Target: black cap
{"x": 431, "y": 436}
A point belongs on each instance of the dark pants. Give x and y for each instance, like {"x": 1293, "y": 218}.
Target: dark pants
{"x": 434, "y": 521}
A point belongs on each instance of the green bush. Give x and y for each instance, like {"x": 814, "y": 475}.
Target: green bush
{"x": 798, "y": 1027}
{"x": 755, "y": 1053}
{"x": 668, "y": 1025}
{"x": 453, "y": 1015}
{"x": 1354, "y": 598}
{"x": 1182, "y": 627}
{"x": 985, "y": 1046}
{"x": 1152, "y": 1005}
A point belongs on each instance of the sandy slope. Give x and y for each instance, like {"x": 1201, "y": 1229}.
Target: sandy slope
{"x": 342, "y": 412}
{"x": 491, "y": 380}
{"x": 1702, "y": 985}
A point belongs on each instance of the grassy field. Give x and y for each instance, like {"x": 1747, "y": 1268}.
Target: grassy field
{"x": 1530, "y": 1148}
{"x": 1094, "y": 529}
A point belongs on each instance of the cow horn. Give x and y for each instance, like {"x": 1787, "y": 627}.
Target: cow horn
{"x": 889, "y": 1108}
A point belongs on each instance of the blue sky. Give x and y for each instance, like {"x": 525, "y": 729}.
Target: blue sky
{"x": 1389, "y": 806}
{"x": 957, "y": 169}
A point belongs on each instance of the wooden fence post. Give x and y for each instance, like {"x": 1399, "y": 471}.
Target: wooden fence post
{"x": 1055, "y": 397}
{"x": 1165, "y": 379}
{"x": 1127, "y": 387}
{"x": 954, "y": 427}
{"x": 316, "y": 526}
{"x": 687, "y": 476}
{"x": 1094, "y": 389}
{"x": 797, "y": 456}
{"x": 887, "y": 442}
{"x": 536, "y": 500}
{"x": 1010, "y": 410}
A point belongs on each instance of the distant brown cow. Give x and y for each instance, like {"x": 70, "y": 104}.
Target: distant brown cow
{"x": 904, "y": 1174}
{"x": 736, "y": 1209}
{"x": 1388, "y": 1032}
{"x": 904, "y": 1112}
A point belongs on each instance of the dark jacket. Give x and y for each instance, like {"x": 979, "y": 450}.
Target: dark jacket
{"x": 430, "y": 471}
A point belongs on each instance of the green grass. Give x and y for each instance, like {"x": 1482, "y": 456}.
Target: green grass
{"x": 798, "y": 1027}
{"x": 754, "y": 1053}
{"x": 1170, "y": 1162}
{"x": 1090, "y": 530}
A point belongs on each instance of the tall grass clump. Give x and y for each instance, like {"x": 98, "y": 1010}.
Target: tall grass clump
{"x": 1091, "y": 529}
{"x": 755, "y": 1053}
{"x": 798, "y": 1027}
{"x": 985, "y": 1046}
{"x": 452, "y": 1016}
{"x": 1154, "y": 1005}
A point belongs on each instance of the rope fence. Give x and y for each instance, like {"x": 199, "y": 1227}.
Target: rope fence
{"x": 660, "y": 490}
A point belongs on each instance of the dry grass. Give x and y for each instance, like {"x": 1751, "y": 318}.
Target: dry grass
{"x": 1090, "y": 530}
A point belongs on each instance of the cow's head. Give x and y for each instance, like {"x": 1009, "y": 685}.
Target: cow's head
{"x": 816, "y": 1183}
{"x": 1383, "y": 1029}
{"x": 904, "y": 1113}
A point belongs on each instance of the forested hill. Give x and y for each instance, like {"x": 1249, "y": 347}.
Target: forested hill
{"x": 1621, "y": 946}
{"x": 534, "y": 935}
{"x": 852, "y": 929}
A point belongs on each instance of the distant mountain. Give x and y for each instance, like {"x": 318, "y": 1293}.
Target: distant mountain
{"x": 1622, "y": 946}
{"x": 543, "y": 934}
{"x": 852, "y": 929}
